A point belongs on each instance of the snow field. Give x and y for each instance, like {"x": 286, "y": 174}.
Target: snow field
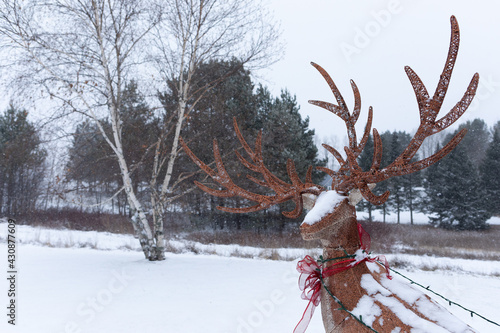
{"x": 80, "y": 282}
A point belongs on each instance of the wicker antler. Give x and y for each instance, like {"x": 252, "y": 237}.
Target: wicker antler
{"x": 282, "y": 190}
{"x": 350, "y": 175}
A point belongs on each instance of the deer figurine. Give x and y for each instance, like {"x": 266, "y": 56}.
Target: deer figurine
{"x": 356, "y": 292}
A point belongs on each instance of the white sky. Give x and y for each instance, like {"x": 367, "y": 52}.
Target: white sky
{"x": 382, "y": 37}
{"x": 397, "y": 33}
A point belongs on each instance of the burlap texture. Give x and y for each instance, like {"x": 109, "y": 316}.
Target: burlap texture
{"x": 338, "y": 233}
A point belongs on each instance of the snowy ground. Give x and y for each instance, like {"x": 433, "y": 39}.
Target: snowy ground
{"x": 73, "y": 289}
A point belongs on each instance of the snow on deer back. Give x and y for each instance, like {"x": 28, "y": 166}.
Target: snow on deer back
{"x": 356, "y": 292}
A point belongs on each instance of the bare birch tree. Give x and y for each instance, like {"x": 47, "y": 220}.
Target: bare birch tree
{"x": 82, "y": 53}
{"x": 192, "y": 33}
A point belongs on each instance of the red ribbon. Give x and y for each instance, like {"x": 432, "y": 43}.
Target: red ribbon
{"x": 310, "y": 284}
{"x": 311, "y": 274}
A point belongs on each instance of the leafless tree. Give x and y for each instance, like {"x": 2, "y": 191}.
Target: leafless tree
{"x": 82, "y": 53}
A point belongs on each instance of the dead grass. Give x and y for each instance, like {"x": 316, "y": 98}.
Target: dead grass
{"x": 386, "y": 238}
{"x": 74, "y": 219}
{"x": 428, "y": 240}
{"x": 268, "y": 240}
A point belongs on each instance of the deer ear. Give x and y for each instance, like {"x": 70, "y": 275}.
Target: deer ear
{"x": 355, "y": 195}
{"x": 308, "y": 200}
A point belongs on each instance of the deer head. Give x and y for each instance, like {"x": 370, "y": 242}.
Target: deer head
{"x": 350, "y": 183}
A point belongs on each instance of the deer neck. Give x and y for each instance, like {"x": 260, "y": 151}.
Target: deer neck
{"x": 339, "y": 240}
{"x": 344, "y": 237}
{"x": 337, "y": 231}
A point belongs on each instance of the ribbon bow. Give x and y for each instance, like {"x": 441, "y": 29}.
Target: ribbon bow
{"x": 312, "y": 274}
{"x": 310, "y": 284}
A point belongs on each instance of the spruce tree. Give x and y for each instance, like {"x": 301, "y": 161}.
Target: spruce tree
{"x": 365, "y": 161}
{"x": 92, "y": 163}
{"x": 21, "y": 162}
{"x": 490, "y": 174}
{"x": 454, "y": 193}
{"x": 383, "y": 186}
{"x": 286, "y": 136}
{"x": 476, "y": 141}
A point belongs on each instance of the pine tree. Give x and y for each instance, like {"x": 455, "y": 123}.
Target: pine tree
{"x": 454, "y": 193}
{"x": 476, "y": 141}
{"x": 490, "y": 174}
{"x": 413, "y": 192}
{"x": 365, "y": 162}
{"x": 92, "y": 162}
{"x": 21, "y": 162}
{"x": 213, "y": 118}
{"x": 286, "y": 136}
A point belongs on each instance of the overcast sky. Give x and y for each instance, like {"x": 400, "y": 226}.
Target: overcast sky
{"x": 370, "y": 41}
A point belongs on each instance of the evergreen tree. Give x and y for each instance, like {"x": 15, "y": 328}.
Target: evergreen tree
{"x": 454, "y": 194}
{"x": 92, "y": 163}
{"x": 404, "y": 189}
{"x": 365, "y": 161}
{"x": 476, "y": 141}
{"x": 21, "y": 163}
{"x": 213, "y": 118}
{"x": 413, "y": 192}
{"x": 396, "y": 184}
{"x": 382, "y": 187}
{"x": 490, "y": 174}
{"x": 88, "y": 148}
{"x": 287, "y": 136}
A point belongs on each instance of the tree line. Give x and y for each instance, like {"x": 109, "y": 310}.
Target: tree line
{"x": 92, "y": 168}
{"x": 459, "y": 192}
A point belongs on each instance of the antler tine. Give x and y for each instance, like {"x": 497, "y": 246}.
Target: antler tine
{"x": 335, "y": 153}
{"x": 196, "y": 160}
{"x": 341, "y": 110}
{"x": 242, "y": 140}
{"x": 341, "y": 176}
{"x": 221, "y": 176}
{"x": 445, "y": 77}
{"x": 459, "y": 108}
{"x": 357, "y": 177}
{"x": 257, "y": 158}
{"x": 309, "y": 174}
{"x": 357, "y": 102}
{"x": 366, "y": 134}
{"x": 333, "y": 87}
{"x": 377, "y": 151}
